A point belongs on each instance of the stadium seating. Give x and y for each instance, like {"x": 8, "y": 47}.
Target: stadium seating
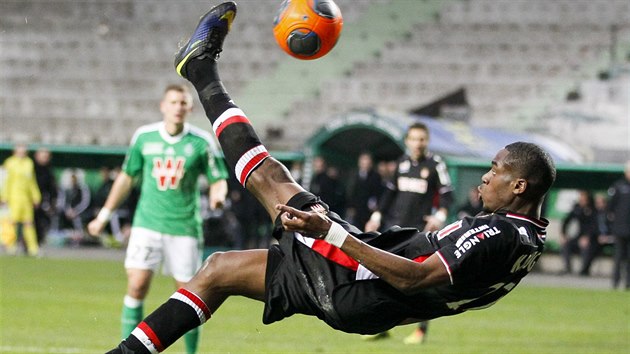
{"x": 98, "y": 67}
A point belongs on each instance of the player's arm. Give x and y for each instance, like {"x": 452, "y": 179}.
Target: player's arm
{"x": 445, "y": 197}
{"x": 120, "y": 190}
{"x": 403, "y": 274}
{"x": 4, "y": 184}
{"x": 407, "y": 276}
{"x": 36, "y": 194}
{"x": 217, "y": 194}
{"x": 436, "y": 221}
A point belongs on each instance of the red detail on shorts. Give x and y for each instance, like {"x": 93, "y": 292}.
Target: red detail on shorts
{"x": 197, "y": 301}
{"x": 229, "y": 121}
{"x": 249, "y": 166}
{"x": 335, "y": 254}
{"x": 421, "y": 258}
{"x": 144, "y": 327}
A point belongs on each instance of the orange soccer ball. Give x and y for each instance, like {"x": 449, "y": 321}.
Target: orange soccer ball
{"x": 307, "y": 29}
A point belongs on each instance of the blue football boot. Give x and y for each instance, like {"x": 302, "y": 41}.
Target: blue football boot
{"x": 207, "y": 40}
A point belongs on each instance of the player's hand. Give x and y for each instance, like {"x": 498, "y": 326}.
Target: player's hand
{"x": 310, "y": 224}
{"x": 432, "y": 223}
{"x": 95, "y": 227}
{"x": 216, "y": 203}
{"x": 372, "y": 226}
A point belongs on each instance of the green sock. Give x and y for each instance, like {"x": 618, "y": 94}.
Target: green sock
{"x": 132, "y": 314}
{"x": 192, "y": 340}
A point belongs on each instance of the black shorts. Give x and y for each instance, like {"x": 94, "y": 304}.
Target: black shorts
{"x": 301, "y": 280}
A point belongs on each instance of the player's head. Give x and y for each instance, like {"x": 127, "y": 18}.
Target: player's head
{"x": 531, "y": 162}
{"x": 176, "y": 103}
{"x": 365, "y": 161}
{"x": 417, "y": 140}
{"x": 520, "y": 176}
{"x": 43, "y": 156}
{"x": 20, "y": 149}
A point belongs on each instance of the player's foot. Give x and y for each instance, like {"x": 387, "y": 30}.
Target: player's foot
{"x": 207, "y": 39}
{"x": 416, "y": 337}
{"x": 377, "y": 336}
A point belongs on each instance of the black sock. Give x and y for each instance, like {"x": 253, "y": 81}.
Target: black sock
{"x": 181, "y": 313}
{"x": 241, "y": 146}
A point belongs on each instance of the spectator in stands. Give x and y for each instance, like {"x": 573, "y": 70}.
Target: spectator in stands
{"x": 73, "y": 205}
{"x": 578, "y": 226}
{"x": 387, "y": 170}
{"x": 120, "y": 222}
{"x": 419, "y": 195}
{"x": 365, "y": 189}
{"x": 326, "y": 184}
{"x": 619, "y": 207}
{"x": 169, "y": 157}
{"x": 243, "y": 214}
{"x": 297, "y": 169}
{"x": 21, "y": 193}
{"x": 46, "y": 211}
{"x": 600, "y": 235}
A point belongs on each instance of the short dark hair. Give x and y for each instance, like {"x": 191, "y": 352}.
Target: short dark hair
{"x": 531, "y": 162}
{"x": 417, "y": 125}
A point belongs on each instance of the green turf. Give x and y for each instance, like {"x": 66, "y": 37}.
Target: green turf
{"x": 73, "y": 306}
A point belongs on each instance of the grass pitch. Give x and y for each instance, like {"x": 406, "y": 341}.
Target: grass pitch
{"x": 73, "y": 306}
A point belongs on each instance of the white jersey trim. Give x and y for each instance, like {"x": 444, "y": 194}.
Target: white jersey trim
{"x": 448, "y": 269}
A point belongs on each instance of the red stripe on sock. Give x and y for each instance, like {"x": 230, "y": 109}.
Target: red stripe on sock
{"x": 229, "y": 121}
{"x": 335, "y": 254}
{"x": 152, "y": 336}
{"x": 195, "y": 299}
{"x": 249, "y": 166}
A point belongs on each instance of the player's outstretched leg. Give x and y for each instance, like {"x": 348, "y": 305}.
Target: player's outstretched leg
{"x": 238, "y": 272}
{"x": 197, "y": 62}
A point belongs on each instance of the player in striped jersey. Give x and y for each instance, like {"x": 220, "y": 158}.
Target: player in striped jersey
{"x": 322, "y": 266}
{"x": 168, "y": 156}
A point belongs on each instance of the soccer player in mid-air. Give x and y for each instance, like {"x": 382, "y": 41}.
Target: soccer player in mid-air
{"x": 322, "y": 266}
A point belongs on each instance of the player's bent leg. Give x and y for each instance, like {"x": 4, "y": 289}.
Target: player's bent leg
{"x": 222, "y": 275}
{"x": 230, "y": 273}
{"x": 271, "y": 183}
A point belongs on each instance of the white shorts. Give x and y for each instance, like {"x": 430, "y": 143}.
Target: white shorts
{"x": 180, "y": 256}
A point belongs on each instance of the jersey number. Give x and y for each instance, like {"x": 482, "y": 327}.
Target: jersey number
{"x": 168, "y": 172}
{"x": 503, "y": 287}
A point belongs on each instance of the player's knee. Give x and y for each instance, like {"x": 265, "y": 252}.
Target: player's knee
{"x": 138, "y": 291}
{"x": 213, "y": 268}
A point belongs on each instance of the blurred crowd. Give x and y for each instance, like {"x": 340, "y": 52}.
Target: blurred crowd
{"x": 62, "y": 205}
{"x": 599, "y": 223}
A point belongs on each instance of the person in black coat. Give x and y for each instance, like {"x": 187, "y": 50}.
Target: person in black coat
{"x": 619, "y": 207}
{"x": 366, "y": 187}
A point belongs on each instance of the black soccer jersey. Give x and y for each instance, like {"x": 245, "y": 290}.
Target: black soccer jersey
{"x": 485, "y": 256}
{"x": 411, "y": 194}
